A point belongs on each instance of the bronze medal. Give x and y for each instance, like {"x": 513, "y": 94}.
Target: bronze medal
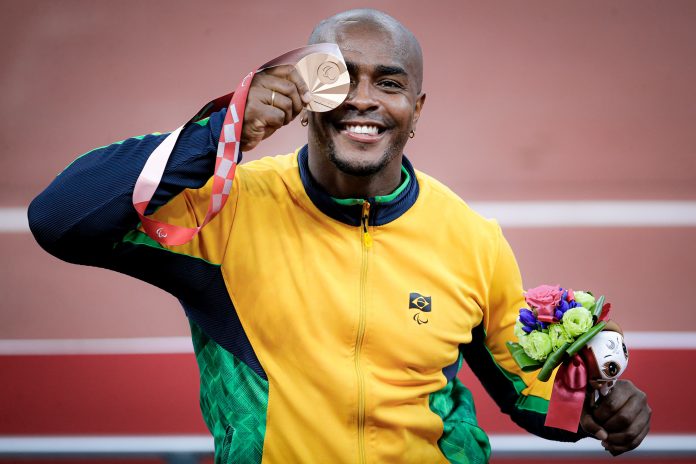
{"x": 327, "y": 77}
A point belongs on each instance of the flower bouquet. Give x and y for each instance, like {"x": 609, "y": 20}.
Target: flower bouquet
{"x": 559, "y": 323}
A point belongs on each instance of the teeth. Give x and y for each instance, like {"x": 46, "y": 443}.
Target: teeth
{"x": 370, "y": 130}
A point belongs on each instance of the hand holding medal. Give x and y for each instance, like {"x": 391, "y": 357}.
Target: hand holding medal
{"x": 314, "y": 77}
{"x": 316, "y": 81}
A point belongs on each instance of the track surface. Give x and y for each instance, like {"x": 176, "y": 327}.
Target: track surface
{"x": 539, "y": 100}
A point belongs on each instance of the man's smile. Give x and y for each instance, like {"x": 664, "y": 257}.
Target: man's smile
{"x": 361, "y": 131}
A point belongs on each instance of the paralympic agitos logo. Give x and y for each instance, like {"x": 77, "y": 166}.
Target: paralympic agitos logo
{"x": 423, "y": 305}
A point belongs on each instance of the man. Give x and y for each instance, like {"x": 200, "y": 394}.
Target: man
{"x": 335, "y": 297}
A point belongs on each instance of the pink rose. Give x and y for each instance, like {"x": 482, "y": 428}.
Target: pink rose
{"x": 544, "y": 300}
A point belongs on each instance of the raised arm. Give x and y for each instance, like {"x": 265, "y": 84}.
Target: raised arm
{"x": 87, "y": 211}
{"x": 88, "y": 206}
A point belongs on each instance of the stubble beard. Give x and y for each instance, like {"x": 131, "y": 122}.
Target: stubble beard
{"x": 361, "y": 169}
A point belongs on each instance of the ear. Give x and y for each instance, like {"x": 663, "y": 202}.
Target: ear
{"x": 420, "y": 101}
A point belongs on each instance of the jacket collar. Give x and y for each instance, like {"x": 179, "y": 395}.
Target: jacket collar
{"x": 381, "y": 212}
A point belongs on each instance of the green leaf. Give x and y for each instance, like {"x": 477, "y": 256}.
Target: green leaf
{"x": 597, "y": 308}
{"x": 523, "y": 360}
{"x": 582, "y": 340}
{"x": 553, "y": 361}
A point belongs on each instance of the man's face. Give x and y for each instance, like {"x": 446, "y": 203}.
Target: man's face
{"x": 371, "y": 127}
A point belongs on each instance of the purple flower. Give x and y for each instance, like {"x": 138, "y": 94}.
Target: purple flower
{"x": 527, "y": 318}
{"x": 559, "y": 314}
{"x": 530, "y": 322}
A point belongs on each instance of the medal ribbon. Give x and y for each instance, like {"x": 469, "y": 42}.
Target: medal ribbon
{"x": 228, "y": 153}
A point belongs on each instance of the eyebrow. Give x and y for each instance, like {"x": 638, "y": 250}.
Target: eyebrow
{"x": 390, "y": 70}
{"x": 380, "y": 69}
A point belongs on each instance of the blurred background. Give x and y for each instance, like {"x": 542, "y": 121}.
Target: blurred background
{"x": 571, "y": 122}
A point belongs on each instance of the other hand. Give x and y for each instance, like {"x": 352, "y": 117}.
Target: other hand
{"x": 276, "y": 96}
{"x": 621, "y": 420}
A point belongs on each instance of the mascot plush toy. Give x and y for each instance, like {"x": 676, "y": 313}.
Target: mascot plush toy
{"x": 606, "y": 358}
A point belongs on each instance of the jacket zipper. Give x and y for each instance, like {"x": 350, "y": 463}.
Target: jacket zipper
{"x": 367, "y": 238}
{"x": 366, "y": 243}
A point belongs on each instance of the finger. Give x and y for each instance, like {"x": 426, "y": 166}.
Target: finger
{"x": 609, "y": 405}
{"x": 290, "y": 73}
{"x": 256, "y": 129}
{"x": 283, "y": 103}
{"x": 618, "y": 443}
{"x": 268, "y": 132}
{"x": 252, "y": 135}
{"x": 301, "y": 86}
{"x": 259, "y": 105}
{"x": 278, "y": 82}
{"x": 588, "y": 423}
{"x": 273, "y": 101}
{"x": 631, "y": 435}
{"x": 634, "y": 413}
{"x": 296, "y": 86}
{"x": 629, "y": 424}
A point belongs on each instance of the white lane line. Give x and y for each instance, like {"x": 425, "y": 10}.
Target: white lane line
{"x": 603, "y": 213}
{"x": 590, "y": 213}
{"x": 112, "y": 445}
{"x": 503, "y": 446}
{"x": 660, "y": 340}
{"x": 176, "y": 345}
{"x": 47, "y": 347}
{"x": 13, "y": 220}
{"x": 518, "y": 446}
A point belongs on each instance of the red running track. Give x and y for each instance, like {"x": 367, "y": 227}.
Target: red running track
{"x": 158, "y": 394}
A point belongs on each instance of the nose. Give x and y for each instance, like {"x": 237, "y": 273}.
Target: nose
{"x": 361, "y": 97}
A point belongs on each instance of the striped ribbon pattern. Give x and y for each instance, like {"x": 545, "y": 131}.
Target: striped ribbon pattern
{"x": 228, "y": 153}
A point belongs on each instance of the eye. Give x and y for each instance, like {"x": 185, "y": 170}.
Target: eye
{"x": 611, "y": 369}
{"x": 390, "y": 84}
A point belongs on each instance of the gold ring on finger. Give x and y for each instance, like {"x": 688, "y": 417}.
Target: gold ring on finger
{"x": 272, "y": 98}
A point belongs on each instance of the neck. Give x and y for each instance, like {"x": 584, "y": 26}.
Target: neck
{"x": 339, "y": 184}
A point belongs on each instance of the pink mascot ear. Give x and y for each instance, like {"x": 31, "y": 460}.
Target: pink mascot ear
{"x": 612, "y": 326}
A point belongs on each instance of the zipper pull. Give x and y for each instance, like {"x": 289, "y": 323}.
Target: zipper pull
{"x": 367, "y": 238}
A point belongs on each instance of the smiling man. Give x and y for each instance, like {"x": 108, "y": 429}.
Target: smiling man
{"x": 359, "y": 146}
{"x": 335, "y": 297}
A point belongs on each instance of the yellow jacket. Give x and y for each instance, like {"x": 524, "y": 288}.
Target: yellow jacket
{"x": 325, "y": 330}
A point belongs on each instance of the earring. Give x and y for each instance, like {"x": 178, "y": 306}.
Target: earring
{"x": 412, "y": 134}
{"x": 304, "y": 121}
